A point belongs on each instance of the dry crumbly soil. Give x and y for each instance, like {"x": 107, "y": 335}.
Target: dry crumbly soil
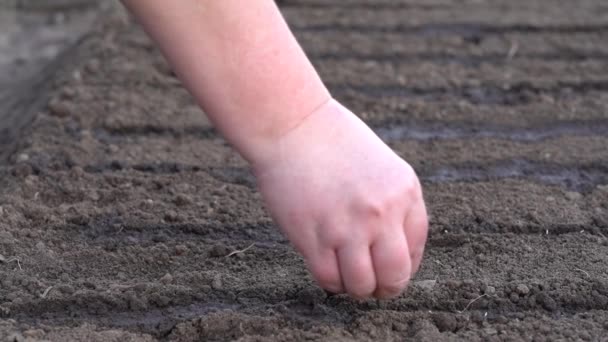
{"x": 124, "y": 216}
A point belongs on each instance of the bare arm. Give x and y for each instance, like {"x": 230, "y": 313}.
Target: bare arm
{"x": 346, "y": 201}
{"x": 241, "y": 62}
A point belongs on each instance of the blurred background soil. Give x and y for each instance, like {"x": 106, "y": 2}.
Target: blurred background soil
{"x": 124, "y": 216}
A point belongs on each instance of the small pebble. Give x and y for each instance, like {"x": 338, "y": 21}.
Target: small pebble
{"x": 522, "y": 289}
{"x": 546, "y": 302}
{"x": 167, "y": 278}
{"x": 490, "y": 331}
{"x": 216, "y": 284}
{"x": 218, "y": 251}
{"x": 426, "y": 284}
{"x": 23, "y": 157}
{"x": 33, "y": 333}
{"x": 489, "y": 290}
{"x": 59, "y": 108}
{"x": 573, "y": 196}
{"x": 181, "y": 249}
{"x": 182, "y": 200}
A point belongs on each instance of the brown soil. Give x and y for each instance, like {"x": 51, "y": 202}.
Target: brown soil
{"x": 121, "y": 208}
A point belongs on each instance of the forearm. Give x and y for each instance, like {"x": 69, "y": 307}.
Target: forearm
{"x": 241, "y": 63}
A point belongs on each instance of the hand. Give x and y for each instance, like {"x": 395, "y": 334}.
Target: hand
{"x": 347, "y": 203}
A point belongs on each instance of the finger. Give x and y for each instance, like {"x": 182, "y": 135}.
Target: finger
{"x": 416, "y": 230}
{"x": 392, "y": 265}
{"x": 324, "y": 267}
{"x": 357, "y": 270}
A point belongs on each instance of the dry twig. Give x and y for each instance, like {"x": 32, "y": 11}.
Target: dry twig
{"x": 240, "y": 251}
{"x": 471, "y": 302}
{"x": 46, "y": 292}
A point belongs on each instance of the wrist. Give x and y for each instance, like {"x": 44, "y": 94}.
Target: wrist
{"x": 307, "y": 138}
{"x": 264, "y": 144}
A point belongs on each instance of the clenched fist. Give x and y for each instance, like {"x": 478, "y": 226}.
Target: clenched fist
{"x": 347, "y": 203}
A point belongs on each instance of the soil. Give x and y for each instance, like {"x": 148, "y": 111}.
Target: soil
{"x": 124, "y": 216}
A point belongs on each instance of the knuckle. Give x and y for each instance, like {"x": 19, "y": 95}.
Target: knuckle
{"x": 375, "y": 209}
{"x": 413, "y": 189}
{"x": 336, "y": 236}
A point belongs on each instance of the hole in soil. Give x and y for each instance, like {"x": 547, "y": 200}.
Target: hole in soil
{"x": 472, "y": 131}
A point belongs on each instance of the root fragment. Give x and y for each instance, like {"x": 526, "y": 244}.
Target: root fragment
{"x": 582, "y": 270}
{"x": 240, "y": 250}
{"x": 46, "y": 292}
{"x": 4, "y": 260}
{"x": 471, "y": 303}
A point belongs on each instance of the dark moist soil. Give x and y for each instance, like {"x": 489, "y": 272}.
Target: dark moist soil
{"x": 125, "y": 217}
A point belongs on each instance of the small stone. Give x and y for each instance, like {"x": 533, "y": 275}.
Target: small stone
{"x": 93, "y": 66}
{"x": 1, "y": 210}
{"x": 22, "y": 157}
{"x": 453, "y": 283}
{"x": 113, "y": 148}
{"x": 33, "y": 333}
{"x": 167, "y": 278}
{"x": 427, "y": 285}
{"x": 546, "y": 301}
{"x": 2, "y": 258}
{"x": 59, "y": 108}
{"x": 171, "y": 216}
{"x": 77, "y": 171}
{"x": 603, "y": 187}
{"x": 489, "y": 290}
{"x": 182, "y": 200}
{"x": 40, "y": 246}
{"x": 216, "y": 284}
{"x": 490, "y": 331}
{"x": 522, "y": 289}
{"x": 94, "y": 196}
{"x": 514, "y": 297}
{"x": 550, "y": 199}
{"x": 181, "y": 249}
{"x": 66, "y": 289}
{"x": 218, "y": 251}
{"x": 77, "y": 75}
{"x": 137, "y": 304}
{"x": 573, "y": 196}
{"x": 68, "y": 93}
{"x": 163, "y": 301}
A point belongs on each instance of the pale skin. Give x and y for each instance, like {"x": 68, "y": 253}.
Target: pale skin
{"x": 345, "y": 200}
